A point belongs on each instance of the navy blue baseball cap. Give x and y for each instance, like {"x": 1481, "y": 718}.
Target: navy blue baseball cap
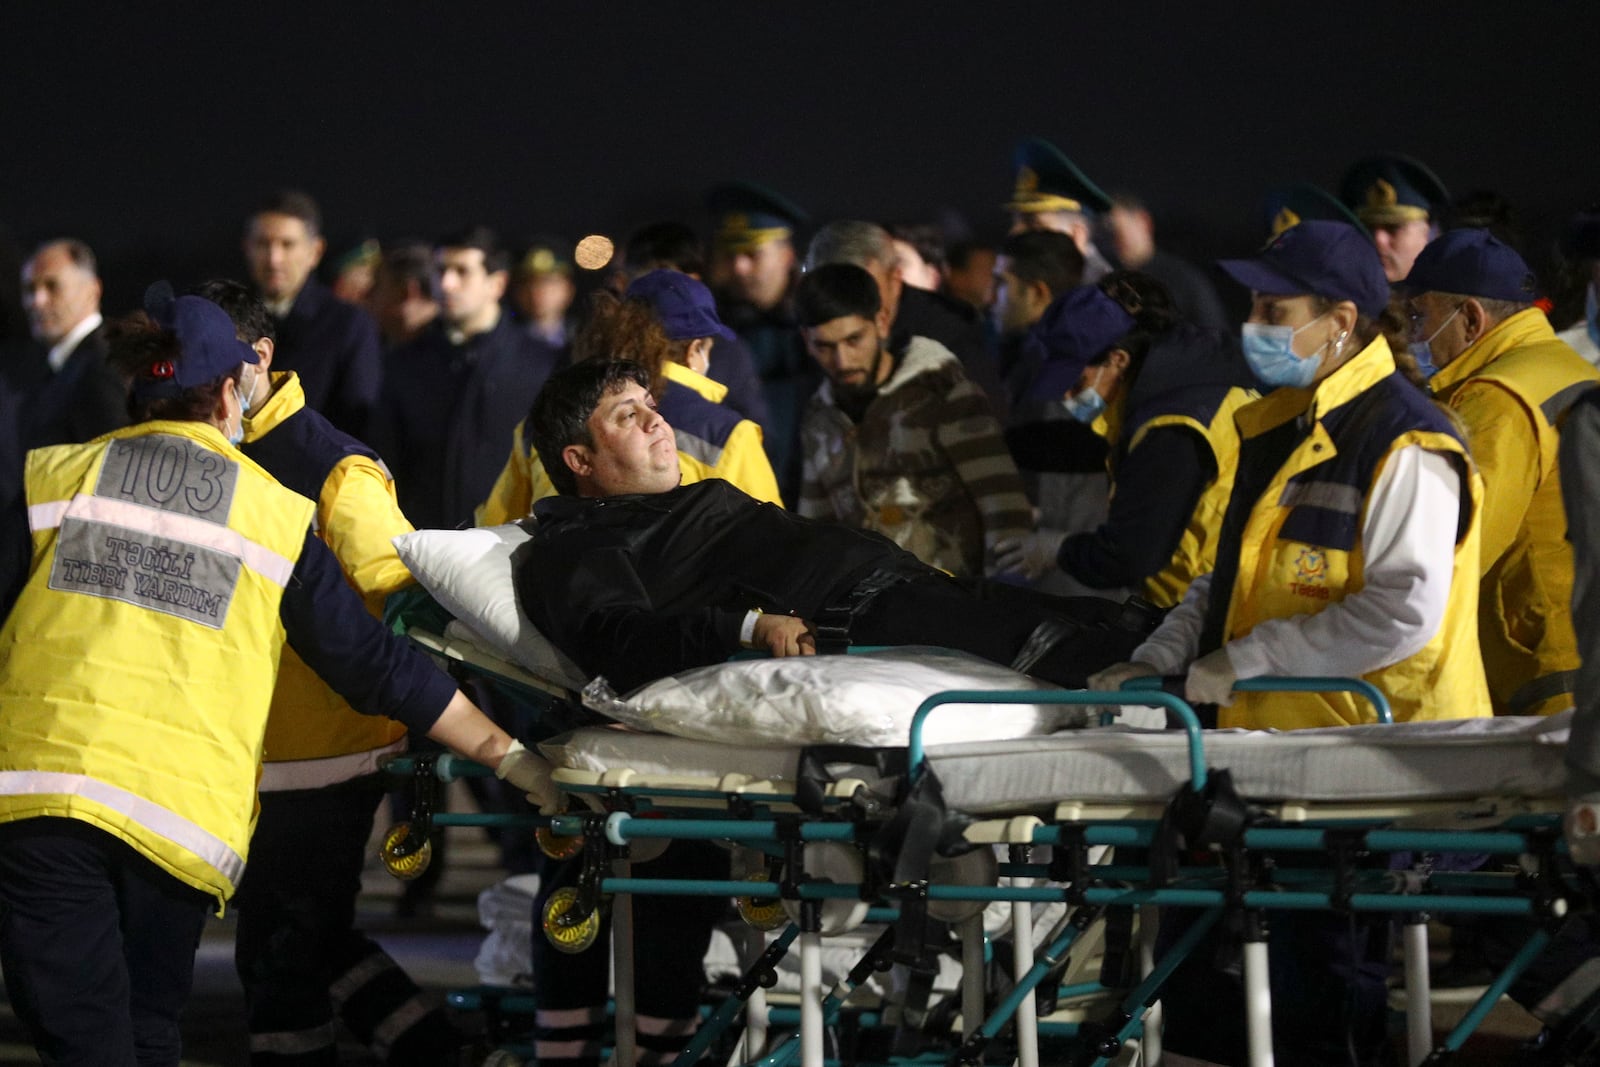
{"x": 1077, "y": 328}
{"x": 1472, "y": 263}
{"x": 1318, "y": 258}
{"x": 209, "y": 345}
{"x": 1046, "y": 180}
{"x": 684, "y": 306}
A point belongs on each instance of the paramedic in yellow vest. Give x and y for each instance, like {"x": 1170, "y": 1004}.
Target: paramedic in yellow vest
{"x": 666, "y": 322}
{"x": 1349, "y": 547}
{"x": 1504, "y": 372}
{"x": 148, "y": 590}
{"x": 296, "y": 938}
{"x": 1163, "y": 393}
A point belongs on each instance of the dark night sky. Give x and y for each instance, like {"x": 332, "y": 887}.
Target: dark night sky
{"x": 149, "y": 129}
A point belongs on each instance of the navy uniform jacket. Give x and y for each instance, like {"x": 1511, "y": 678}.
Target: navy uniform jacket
{"x": 448, "y": 415}
{"x": 334, "y": 348}
{"x": 788, "y": 378}
{"x": 77, "y": 403}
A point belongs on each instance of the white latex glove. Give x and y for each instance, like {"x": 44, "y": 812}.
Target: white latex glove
{"x": 1032, "y": 556}
{"x": 1110, "y": 680}
{"x": 530, "y": 773}
{"x": 1581, "y": 827}
{"x": 1211, "y": 679}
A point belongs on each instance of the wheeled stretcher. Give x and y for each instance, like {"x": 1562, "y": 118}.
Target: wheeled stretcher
{"x": 911, "y": 836}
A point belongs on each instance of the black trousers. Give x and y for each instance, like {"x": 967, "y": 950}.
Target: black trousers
{"x": 97, "y": 943}
{"x": 995, "y": 621}
{"x": 299, "y": 956}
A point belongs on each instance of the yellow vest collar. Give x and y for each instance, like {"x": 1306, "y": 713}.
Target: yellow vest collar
{"x": 287, "y": 398}
{"x": 683, "y": 375}
{"x": 1524, "y": 328}
{"x": 1369, "y": 366}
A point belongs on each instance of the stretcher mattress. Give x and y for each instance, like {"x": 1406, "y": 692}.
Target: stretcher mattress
{"x": 1451, "y": 760}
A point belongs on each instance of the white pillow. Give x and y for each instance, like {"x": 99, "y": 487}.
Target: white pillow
{"x": 469, "y": 573}
{"x": 864, "y": 699}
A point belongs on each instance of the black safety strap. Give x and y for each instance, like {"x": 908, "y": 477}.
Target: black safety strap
{"x": 812, "y": 776}
{"x": 1214, "y": 816}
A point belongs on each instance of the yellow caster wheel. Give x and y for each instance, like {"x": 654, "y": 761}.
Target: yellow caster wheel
{"x": 558, "y": 846}
{"x": 401, "y": 857}
{"x": 764, "y": 914}
{"x": 564, "y": 928}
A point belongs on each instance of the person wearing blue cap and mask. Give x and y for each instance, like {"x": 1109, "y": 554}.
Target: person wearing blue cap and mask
{"x": 1349, "y": 547}
{"x": 1163, "y": 392}
{"x": 1503, "y": 371}
{"x": 143, "y": 620}
{"x": 666, "y": 322}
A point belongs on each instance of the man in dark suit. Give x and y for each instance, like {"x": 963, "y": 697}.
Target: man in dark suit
{"x": 453, "y": 396}
{"x": 331, "y": 345}
{"x": 69, "y": 394}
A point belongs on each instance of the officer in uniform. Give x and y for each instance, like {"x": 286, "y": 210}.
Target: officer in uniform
{"x": 1051, "y": 193}
{"x": 752, "y": 272}
{"x": 1401, "y": 202}
{"x": 144, "y": 618}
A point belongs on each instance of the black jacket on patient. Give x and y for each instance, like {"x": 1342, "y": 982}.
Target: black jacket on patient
{"x": 638, "y": 587}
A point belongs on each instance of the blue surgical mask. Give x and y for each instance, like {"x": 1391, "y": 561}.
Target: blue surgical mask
{"x": 236, "y": 437}
{"x": 1085, "y": 405}
{"x": 1422, "y": 351}
{"x": 1269, "y": 351}
{"x": 1591, "y": 312}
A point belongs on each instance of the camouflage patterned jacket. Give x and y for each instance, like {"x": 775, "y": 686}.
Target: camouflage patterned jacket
{"x": 927, "y": 467}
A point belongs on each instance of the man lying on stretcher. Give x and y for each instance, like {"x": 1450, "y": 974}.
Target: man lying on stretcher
{"x": 636, "y": 577}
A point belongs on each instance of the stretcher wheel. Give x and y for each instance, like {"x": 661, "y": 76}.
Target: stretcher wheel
{"x": 566, "y": 929}
{"x": 558, "y": 846}
{"x": 401, "y": 856}
{"x": 978, "y": 867}
{"x": 831, "y": 862}
{"x": 764, "y": 914}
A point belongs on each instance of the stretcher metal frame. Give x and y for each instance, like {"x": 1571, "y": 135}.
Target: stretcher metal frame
{"x": 769, "y": 816}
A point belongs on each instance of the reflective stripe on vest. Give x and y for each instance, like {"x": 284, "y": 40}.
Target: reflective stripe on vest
{"x": 169, "y": 824}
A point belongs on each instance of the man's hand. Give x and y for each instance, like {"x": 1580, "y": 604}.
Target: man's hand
{"x": 1031, "y": 556}
{"x": 1110, "y": 680}
{"x": 784, "y": 635}
{"x": 531, "y": 774}
{"x": 1211, "y": 679}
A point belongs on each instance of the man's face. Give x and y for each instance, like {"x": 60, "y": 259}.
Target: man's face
{"x": 634, "y": 450}
{"x": 1442, "y": 321}
{"x": 57, "y": 294}
{"x": 1016, "y": 306}
{"x": 890, "y": 283}
{"x": 850, "y": 351}
{"x": 1399, "y": 244}
{"x": 974, "y": 282}
{"x": 1132, "y": 235}
{"x": 282, "y": 253}
{"x": 469, "y": 294}
{"x": 759, "y": 275}
{"x": 543, "y": 297}
{"x": 1070, "y": 223}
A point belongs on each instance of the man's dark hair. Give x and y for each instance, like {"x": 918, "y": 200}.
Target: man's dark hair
{"x": 925, "y": 237}
{"x": 665, "y": 244}
{"x": 411, "y": 261}
{"x": 560, "y": 414}
{"x": 294, "y": 203}
{"x": 1150, "y": 303}
{"x": 835, "y": 291}
{"x": 251, "y": 319}
{"x": 960, "y": 254}
{"x": 1045, "y": 256}
{"x": 79, "y": 253}
{"x": 485, "y": 240}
